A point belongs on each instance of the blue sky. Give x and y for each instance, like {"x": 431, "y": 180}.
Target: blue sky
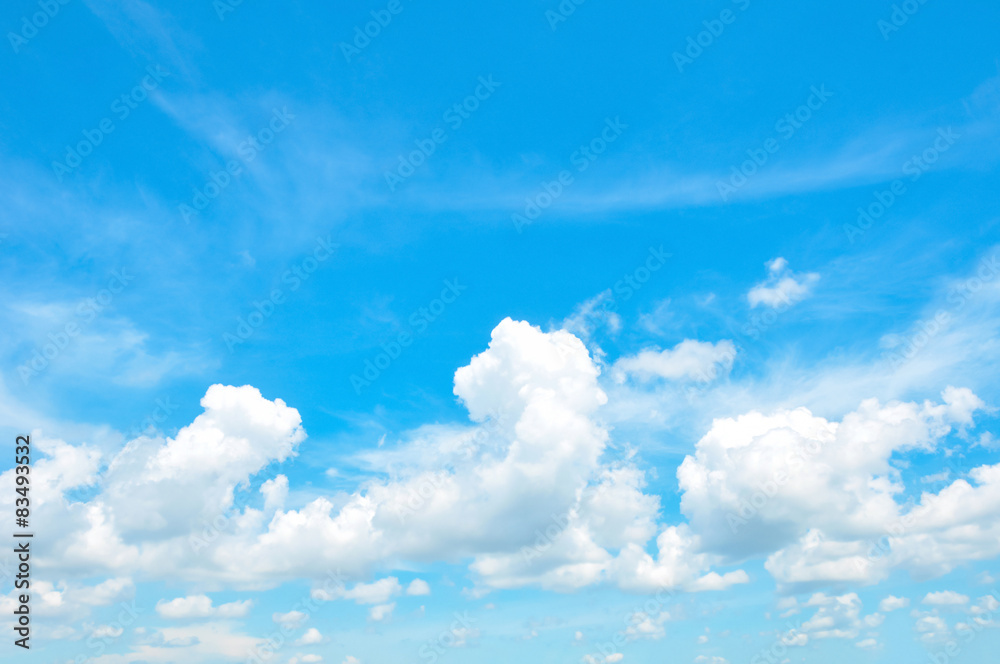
{"x": 611, "y": 273}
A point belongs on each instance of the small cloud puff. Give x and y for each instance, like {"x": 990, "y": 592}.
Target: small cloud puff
{"x": 782, "y": 286}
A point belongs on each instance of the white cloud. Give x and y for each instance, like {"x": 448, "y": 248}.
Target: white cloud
{"x": 292, "y": 618}
{"x": 381, "y": 612}
{"x": 311, "y": 637}
{"x": 983, "y": 612}
{"x": 836, "y": 617}
{"x": 793, "y": 637}
{"x": 200, "y": 606}
{"x": 603, "y": 659}
{"x": 105, "y": 347}
{"x": 946, "y": 598}
{"x": 679, "y": 565}
{"x": 892, "y": 603}
{"x": 931, "y": 627}
{"x": 688, "y": 360}
{"x": 418, "y": 587}
{"x": 107, "y": 631}
{"x": 986, "y": 603}
{"x": 936, "y": 477}
{"x": 275, "y": 491}
{"x": 540, "y": 498}
{"x": 596, "y": 313}
{"x": 536, "y": 468}
{"x": 787, "y": 603}
{"x": 874, "y": 620}
{"x": 815, "y": 494}
{"x": 159, "y": 494}
{"x": 377, "y": 592}
{"x": 463, "y": 635}
{"x": 208, "y": 642}
{"x": 641, "y": 625}
{"x": 782, "y": 287}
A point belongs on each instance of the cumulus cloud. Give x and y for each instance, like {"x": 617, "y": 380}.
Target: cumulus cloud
{"x": 986, "y": 604}
{"x": 74, "y": 600}
{"x": 931, "y": 627}
{"x": 794, "y": 637}
{"x": 946, "y": 598}
{"x": 311, "y": 637}
{"x": 679, "y": 564}
{"x": 275, "y": 491}
{"x": 835, "y": 617}
{"x": 892, "y": 603}
{"x": 782, "y": 287}
{"x": 641, "y": 625}
{"x": 815, "y": 495}
{"x": 157, "y": 493}
{"x": 530, "y": 491}
{"x": 200, "y": 606}
{"x": 381, "y": 612}
{"x": 108, "y": 631}
{"x": 377, "y": 592}
{"x": 292, "y": 619}
{"x": 603, "y": 659}
{"x": 198, "y": 642}
{"x": 167, "y": 505}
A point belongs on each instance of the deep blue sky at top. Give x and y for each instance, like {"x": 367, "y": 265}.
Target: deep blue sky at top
{"x": 324, "y": 175}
